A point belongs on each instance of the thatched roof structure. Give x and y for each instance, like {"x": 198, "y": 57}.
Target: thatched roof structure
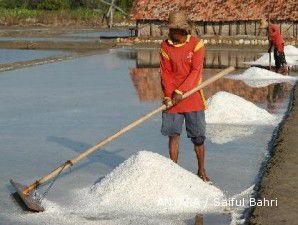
{"x": 217, "y": 10}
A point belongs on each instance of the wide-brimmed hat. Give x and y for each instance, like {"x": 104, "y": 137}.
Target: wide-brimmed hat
{"x": 178, "y": 20}
{"x": 263, "y": 24}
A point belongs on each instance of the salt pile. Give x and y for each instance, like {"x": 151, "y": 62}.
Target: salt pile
{"x": 291, "y": 50}
{"x": 291, "y": 53}
{"x": 257, "y": 77}
{"x": 264, "y": 60}
{"x": 226, "y": 108}
{"x": 148, "y": 183}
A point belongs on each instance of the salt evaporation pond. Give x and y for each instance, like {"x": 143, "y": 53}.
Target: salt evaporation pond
{"x": 13, "y": 55}
{"x": 50, "y": 113}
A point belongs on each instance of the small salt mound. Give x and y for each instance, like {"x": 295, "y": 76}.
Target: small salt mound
{"x": 264, "y": 60}
{"x": 148, "y": 183}
{"x": 257, "y": 77}
{"x": 226, "y": 108}
{"x": 291, "y": 50}
{"x": 258, "y": 73}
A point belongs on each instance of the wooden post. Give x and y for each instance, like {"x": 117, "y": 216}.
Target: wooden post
{"x": 230, "y": 29}
{"x": 213, "y": 28}
{"x": 137, "y": 32}
{"x": 111, "y": 17}
{"x": 237, "y": 28}
{"x": 255, "y": 28}
{"x": 245, "y": 28}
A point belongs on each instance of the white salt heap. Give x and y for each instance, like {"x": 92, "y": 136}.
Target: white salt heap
{"x": 148, "y": 183}
{"x": 264, "y": 60}
{"x": 257, "y": 77}
{"x": 291, "y": 50}
{"x": 291, "y": 53}
{"x": 226, "y": 108}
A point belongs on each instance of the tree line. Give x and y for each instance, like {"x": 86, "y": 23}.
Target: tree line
{"x": 63, "y": 4}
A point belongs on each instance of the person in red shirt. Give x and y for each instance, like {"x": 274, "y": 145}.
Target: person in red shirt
{"x": 276, "y": 42}
{"x": 182, "y": 57}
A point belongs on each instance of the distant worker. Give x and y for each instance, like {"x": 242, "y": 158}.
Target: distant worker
{"x": 182, "y": 57}
{"x": 276, "y": 41}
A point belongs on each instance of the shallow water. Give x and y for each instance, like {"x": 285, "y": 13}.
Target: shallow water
{"x": 50, "y": 113}
{"x": 13, "y": 55}
{"x": 103, "y": 34}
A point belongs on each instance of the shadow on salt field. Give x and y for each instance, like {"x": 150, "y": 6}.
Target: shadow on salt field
{"x": 50, "y": 113}
{"x": 109, "y": 159}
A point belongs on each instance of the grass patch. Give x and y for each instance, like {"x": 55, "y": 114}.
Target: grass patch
{"x": 81, "y": 16}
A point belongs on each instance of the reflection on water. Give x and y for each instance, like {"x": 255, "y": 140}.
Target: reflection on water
{"x": 222, "y": 134}
{"x": 147, "y": 84}
{"x": 215, "y": 58}
{"x": 145, "y": 77}
{"x": 199, "y": 220}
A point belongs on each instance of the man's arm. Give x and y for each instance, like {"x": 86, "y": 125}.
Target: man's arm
{"x": 196, "y": 70}
{"x": 166, "y": 74}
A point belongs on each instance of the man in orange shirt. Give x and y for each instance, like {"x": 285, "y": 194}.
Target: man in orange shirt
{"x": 182, "y": 57}
{"x": 276, "y": 42}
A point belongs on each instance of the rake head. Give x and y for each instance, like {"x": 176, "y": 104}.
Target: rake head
{"x": 31, "y": 203}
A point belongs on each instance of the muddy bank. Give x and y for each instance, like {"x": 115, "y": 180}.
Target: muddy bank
{"x": 280, "y": 179}
{"x": 18, "y": 65}
{"x": 66, "y": 45}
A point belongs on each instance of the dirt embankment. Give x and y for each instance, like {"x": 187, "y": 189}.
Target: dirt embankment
{"x": 281, "y": 176}
{"x": 76, "y": 46}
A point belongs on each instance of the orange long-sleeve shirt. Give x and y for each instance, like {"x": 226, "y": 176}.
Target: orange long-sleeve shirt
{"x": 181, "y": 70}
{"x": 275, "y": 37}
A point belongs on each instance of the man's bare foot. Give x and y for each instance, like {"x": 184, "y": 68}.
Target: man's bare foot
{"x": 203, "y": 176}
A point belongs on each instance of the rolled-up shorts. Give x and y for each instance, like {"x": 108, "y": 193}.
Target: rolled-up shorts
{"x": 194, "y": 122}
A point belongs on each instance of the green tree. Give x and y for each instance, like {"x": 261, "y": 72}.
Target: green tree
{"x": 125, "y": 4}
{"x": 53, "y": 4}
{"x": 11, "y": 4}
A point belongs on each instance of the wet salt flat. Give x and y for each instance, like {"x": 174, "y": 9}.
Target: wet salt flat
{"x": 13, "y": 55}
{"x": 50, "y": 113}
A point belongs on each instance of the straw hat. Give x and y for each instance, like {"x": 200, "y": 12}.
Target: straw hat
{"x": 263, "y": 24}
{"x": 178, "y": 20}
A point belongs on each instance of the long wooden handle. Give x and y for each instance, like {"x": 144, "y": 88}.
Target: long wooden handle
{"x": 270, "y": 60}
{"x": 103, "y": 142}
